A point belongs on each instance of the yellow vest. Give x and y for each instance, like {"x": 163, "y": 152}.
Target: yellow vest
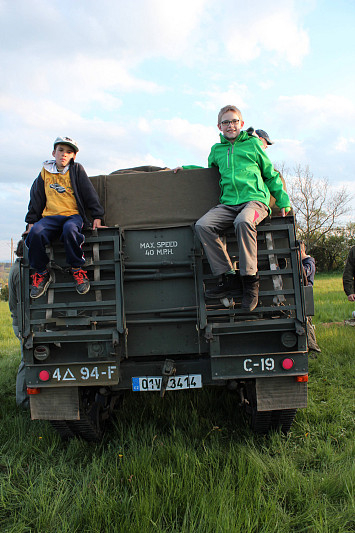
{"x": 60, "y": 199}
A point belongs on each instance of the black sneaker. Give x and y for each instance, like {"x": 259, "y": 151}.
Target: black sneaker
{"x": 250, "y": 292}
{"x": 40, "y": 283}
{"x": 229, "y": 286}
{"x": 82, "y": 283}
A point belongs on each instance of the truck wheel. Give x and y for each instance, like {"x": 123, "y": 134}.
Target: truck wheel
{"x": 91, "y": 425}
{"x": 62, "y": 428}
{"x": 93, "y": 414}
{"x": 263, "y": 422}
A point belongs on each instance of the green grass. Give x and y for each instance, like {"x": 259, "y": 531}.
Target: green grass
{"x": 189, "y": 463}
{"x": 331, "y": 302}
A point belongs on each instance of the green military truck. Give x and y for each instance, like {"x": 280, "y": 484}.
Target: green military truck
{"x": 146, "y": 326}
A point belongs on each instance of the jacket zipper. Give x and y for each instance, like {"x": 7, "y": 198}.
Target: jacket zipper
{"x": 233, "y": 176}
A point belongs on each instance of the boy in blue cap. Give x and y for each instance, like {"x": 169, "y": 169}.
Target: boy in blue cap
{"x": 59, "y": 198}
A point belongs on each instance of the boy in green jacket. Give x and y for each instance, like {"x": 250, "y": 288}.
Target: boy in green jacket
{"x": 247, "y": 179}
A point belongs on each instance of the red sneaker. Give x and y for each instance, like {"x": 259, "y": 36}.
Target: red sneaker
{"x": 82, "y": 283}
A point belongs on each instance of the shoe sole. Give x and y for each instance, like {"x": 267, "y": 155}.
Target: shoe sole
{"x": 84, "y": 292}
{"x": 249, "y": 308}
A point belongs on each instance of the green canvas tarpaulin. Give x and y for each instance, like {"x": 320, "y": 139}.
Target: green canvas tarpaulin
{"x": 135, "y": 199}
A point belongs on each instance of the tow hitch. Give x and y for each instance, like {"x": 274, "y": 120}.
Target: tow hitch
{"x": 168, "y": 371}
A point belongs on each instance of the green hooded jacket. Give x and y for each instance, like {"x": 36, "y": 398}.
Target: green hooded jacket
{"x": 247, "y": 173}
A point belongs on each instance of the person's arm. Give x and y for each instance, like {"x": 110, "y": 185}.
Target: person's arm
{"x": 13, "y": 295}
{"x": 186, "y": 167}
{"x": 27, "y": 230}
{"x": 37, "y": 201}
{"x": 309, "y": 268}
{"x": 90, "y": 197}
{"x": 97, "y": 224}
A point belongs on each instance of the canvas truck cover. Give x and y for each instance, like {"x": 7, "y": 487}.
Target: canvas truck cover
{"x": 136, "y": 199}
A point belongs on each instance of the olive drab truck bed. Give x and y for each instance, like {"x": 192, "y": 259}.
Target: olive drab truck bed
{"x": 146, "y": 326}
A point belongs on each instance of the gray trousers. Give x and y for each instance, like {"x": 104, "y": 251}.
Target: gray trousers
{"x": 245, "y": 218}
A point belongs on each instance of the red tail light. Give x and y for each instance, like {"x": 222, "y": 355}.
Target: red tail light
{"x": 33, "y": 390}
{"x": 287, "y": 363}
{"x": 302, "y": 379}
{"x": 44, "y": 375}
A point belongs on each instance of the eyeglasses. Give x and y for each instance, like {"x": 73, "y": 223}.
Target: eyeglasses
{"x": 227, "y": 122}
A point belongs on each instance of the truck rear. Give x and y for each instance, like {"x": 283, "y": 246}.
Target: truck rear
{"x": 146, "y": 326}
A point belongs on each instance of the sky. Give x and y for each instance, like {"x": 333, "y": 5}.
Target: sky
{"x": 141, "y": 83}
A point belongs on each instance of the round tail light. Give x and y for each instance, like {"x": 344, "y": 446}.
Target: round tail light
{"x": 44, "y": 375}
{"x": 287, "y": 363}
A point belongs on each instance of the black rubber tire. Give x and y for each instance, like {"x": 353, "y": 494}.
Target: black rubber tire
{"x": 262, "y": 422}
{"x": 62, "y": 428}
{"x": 91, "y": 426}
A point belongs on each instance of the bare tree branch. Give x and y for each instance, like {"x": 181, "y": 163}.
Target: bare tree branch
{"x": 318, "y": 209}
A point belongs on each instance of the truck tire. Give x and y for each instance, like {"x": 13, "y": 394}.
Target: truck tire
{"x": 91, "y": 425}
{"x": 62, "y": 428}
{"x": 262, "y": 422}
{"x": 94, "y": 413}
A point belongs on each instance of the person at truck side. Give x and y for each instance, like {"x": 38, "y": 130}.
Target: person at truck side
{"x": 308, "y": 263}
{"x": 266, "y": 142}
{"x": 309, "y": 270}
{"x": 59, "y": 198}
{"x": 262, "y": 135}
{"x": 22, "y": 399}
{"x": 349, "y": 276}
{"x": 247, "y": 179}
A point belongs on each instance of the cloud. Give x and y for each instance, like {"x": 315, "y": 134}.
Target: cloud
{"x": 272, "y": 27}
{"x": 326, "y": 107}
{"x": 343, "y": 144}
{"x": 327, "y": 112}
{"x": 217, "y": 98}
{"x": 85, "y": 81}
{"x": 196, "y": 137}
{"x": 288, "y": 150}
{"x": 131, "y": 31}
{"x": 268, "y": 84}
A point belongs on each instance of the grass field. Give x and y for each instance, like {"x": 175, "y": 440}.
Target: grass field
{"x": 189, "y": 463}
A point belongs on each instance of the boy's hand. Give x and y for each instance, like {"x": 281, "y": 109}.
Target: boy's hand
{"x": 351, "y": 297}
{"x": 175, "y": 170}
{"x": 97, "y": 224}
{"x": 27, "y": 230}
{"x": 284, "y": 211}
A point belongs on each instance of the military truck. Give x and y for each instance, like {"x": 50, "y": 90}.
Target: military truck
{"x": 146, "y": 325}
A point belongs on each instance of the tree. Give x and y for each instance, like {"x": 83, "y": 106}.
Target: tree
{"x": 4, "y": 294}
{"x": 318, "y": 209}
{"x": 331, "y": 250}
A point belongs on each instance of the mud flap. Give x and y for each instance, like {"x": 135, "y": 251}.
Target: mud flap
{"x": 280, "y": 393}
{"x": 59, "y": 403}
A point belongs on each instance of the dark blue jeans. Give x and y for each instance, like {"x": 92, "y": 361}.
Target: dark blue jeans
{"x": 49, "y": 228}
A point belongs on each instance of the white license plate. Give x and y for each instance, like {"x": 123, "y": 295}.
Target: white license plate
{"x": 151, "y": 383}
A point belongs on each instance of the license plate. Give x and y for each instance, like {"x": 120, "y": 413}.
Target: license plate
{"x": 259, "y": 364}
{"x": 74, "y": 374}
{"x": 151, "y": 383}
